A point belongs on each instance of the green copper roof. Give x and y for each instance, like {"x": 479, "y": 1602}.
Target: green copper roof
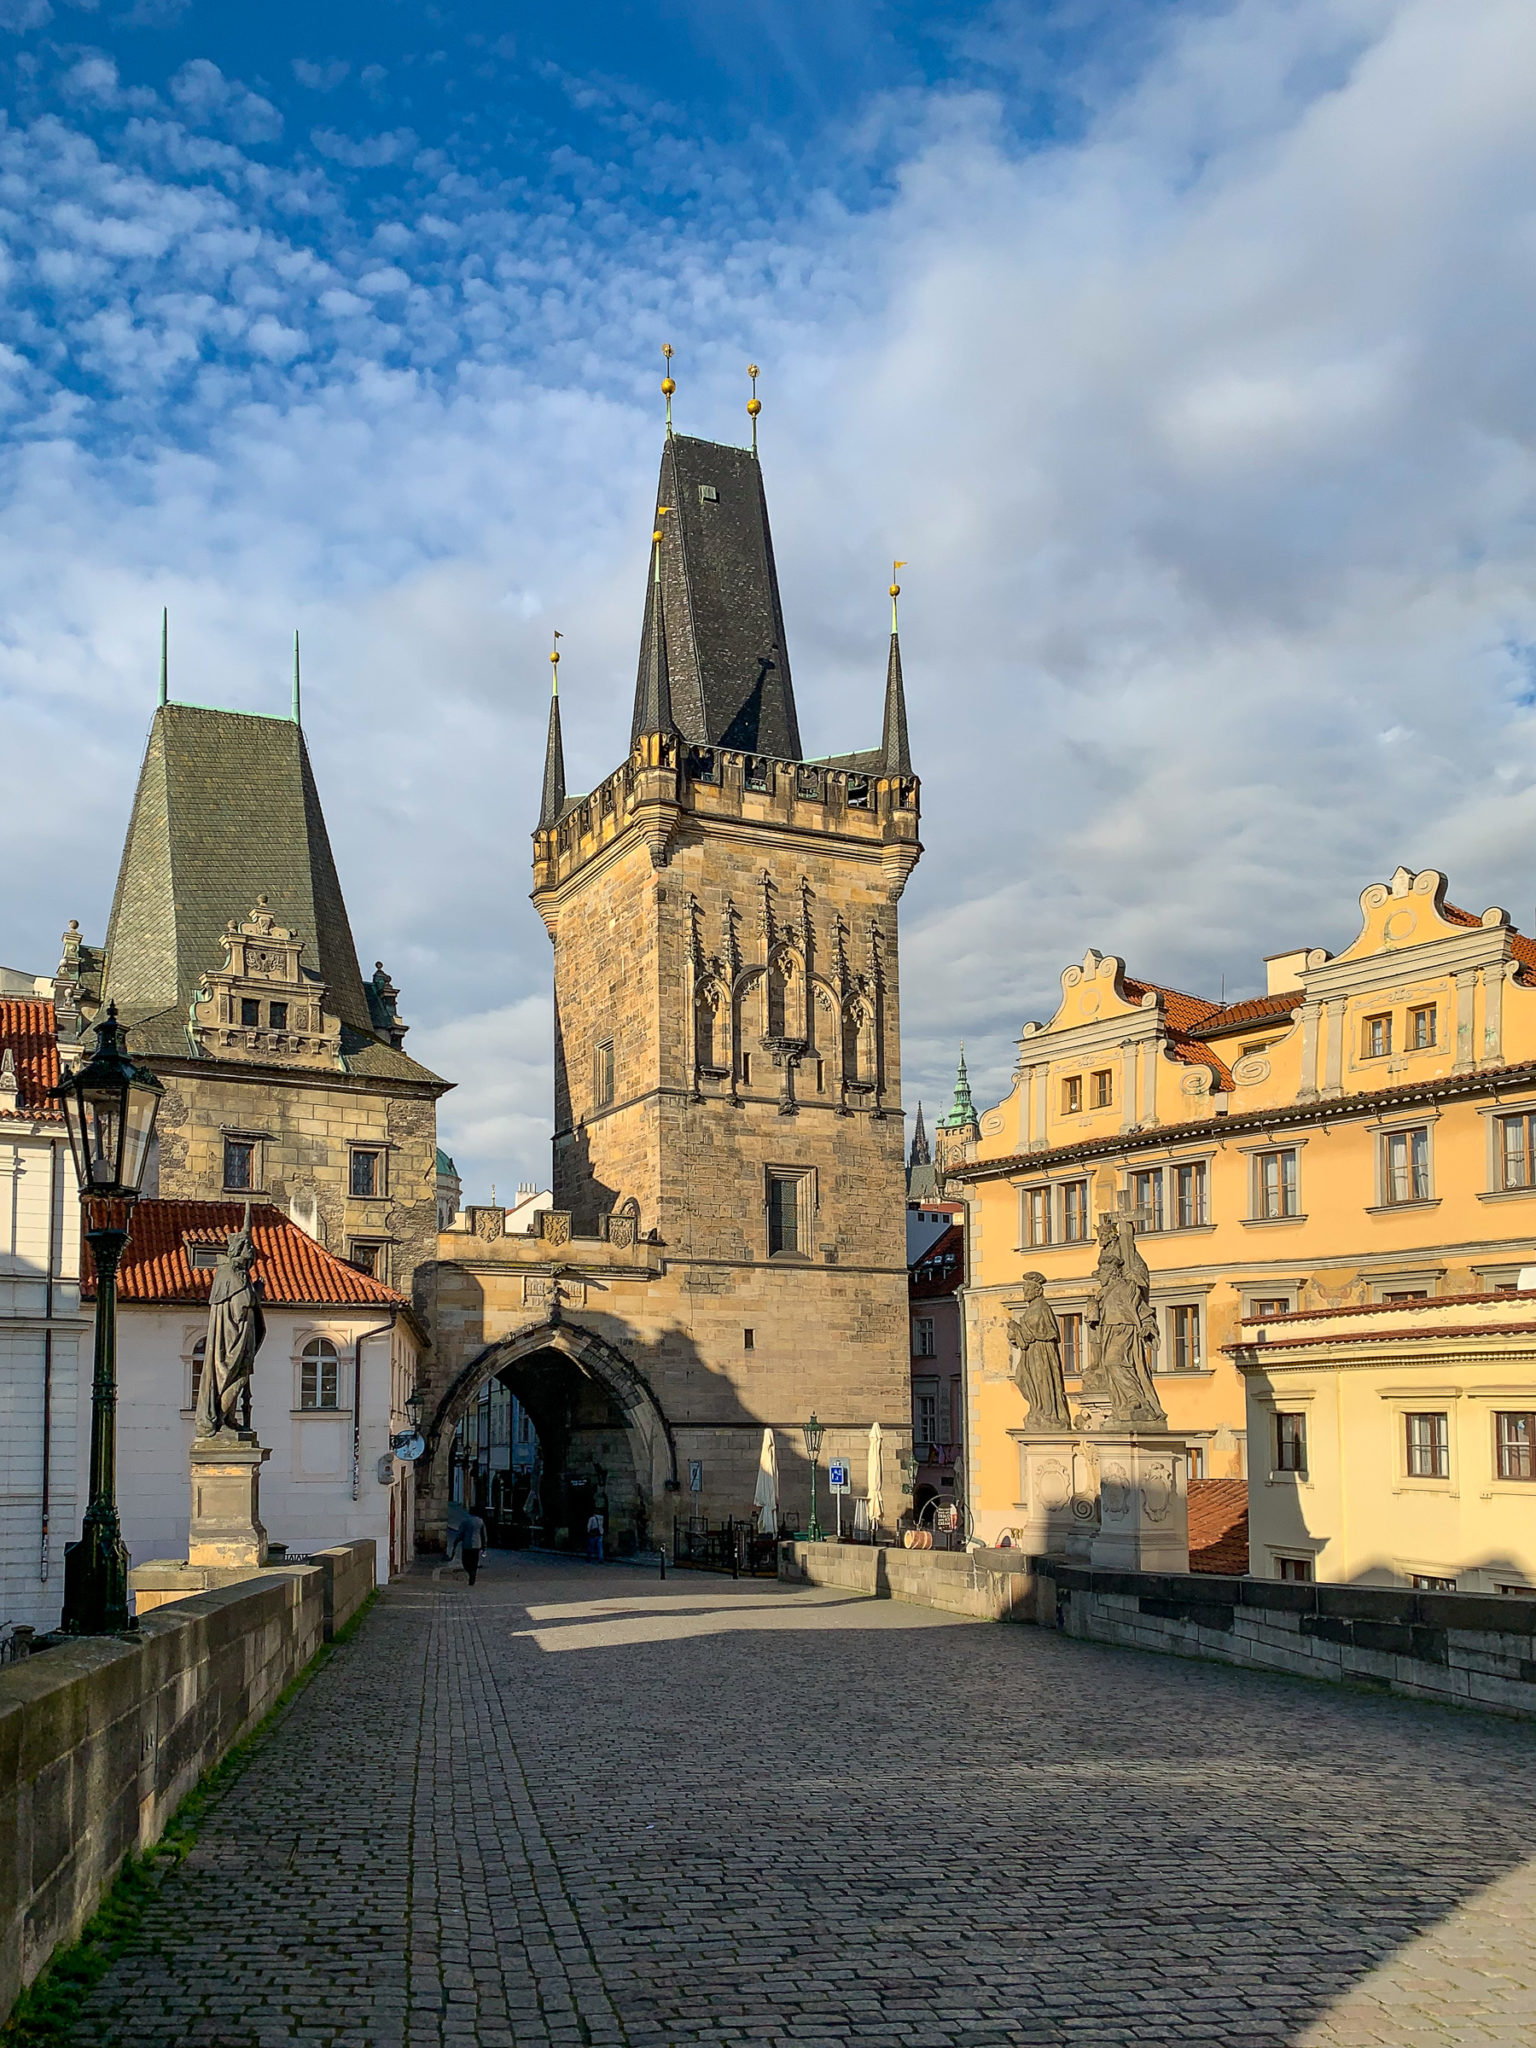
{"x": 227, "y": 811}
{"x": 963, "y": 1110}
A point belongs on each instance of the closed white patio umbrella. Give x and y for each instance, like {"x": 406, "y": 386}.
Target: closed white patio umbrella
{"x": 766, "y": 1498}
{"x": 876, "y": 1497}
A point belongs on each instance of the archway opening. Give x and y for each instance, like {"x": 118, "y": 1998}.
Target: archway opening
{"x": 540, "y": 1445}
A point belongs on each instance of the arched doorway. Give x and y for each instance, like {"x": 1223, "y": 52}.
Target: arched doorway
{"x": 604, "y": 1441}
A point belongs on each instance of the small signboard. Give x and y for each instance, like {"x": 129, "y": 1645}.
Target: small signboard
{"x": 695, "y": 1475}
{"x": 837, "y": 1475}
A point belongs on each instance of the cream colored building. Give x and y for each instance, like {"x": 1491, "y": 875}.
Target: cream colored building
{"x": 1395, "y": 1444}
{"x": 1363, "y": 1133}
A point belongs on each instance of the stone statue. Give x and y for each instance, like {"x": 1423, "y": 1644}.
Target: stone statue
{"x": 1034, "y": 1357}
{"x": 1122, "y": 1327}
{"x": 236, "y": 1329}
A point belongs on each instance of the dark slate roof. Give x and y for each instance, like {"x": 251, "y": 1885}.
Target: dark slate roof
{"x": 553, "y": 798}
{"x": 227, "y": 811}
{"x": 726, "y": 661}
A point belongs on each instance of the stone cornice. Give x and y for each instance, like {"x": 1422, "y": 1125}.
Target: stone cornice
{"x": 1281, "y": 1117}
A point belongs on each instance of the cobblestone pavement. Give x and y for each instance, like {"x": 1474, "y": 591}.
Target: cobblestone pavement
{"x": 575, "y": 1805}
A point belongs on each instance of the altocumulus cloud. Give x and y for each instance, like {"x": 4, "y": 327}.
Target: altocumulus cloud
{"x": 1206, "y": 432}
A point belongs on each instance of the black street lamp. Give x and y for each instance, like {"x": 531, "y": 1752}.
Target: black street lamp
{"x": 813, "y": 1436}
{"x": 109, "y": 1107}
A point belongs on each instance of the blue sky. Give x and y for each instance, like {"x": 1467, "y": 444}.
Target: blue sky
{"x": 1185, "y": 351}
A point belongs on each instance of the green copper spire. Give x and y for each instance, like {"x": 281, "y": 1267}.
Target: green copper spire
{"x": 963, "y": 1110}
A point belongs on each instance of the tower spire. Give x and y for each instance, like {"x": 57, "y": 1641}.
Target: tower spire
{"x": 895, "y": 749}
{"x": 920, "y": 1155}
{"x": 552, "y": 800}
{"x": 165, "y": 653}
{"x": 962, "y": 1113}
{"x": 754, "y": 404}
{"x": 653, "y": 707}
{"x": 667, "y": 385}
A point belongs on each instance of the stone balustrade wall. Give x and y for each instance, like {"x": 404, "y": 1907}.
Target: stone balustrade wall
{"x": 101, "y": 1739}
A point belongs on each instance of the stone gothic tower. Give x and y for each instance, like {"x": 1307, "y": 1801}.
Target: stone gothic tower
{"x": 728, "y": 1146}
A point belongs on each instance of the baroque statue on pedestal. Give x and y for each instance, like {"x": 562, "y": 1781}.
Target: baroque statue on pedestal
{"x": 236, "y": 1329}
{"x": 1121, "y": 1324}
{"x": 1034, "y": 1357}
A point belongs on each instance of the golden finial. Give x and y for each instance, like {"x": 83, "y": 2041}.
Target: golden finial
{"x": 895, "y": 591}
{"x": 554, "y": 657}
{"x": 667, "y": 385}
{"x": 661, "y": 513}
{"x": 754, "y": 403}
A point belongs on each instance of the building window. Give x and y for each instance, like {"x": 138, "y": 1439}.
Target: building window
{"x": 1271, "y": 1305}
{"x": 1514, "y": 1441}
{"x": 1189, "y": 1202}
{"x": 1429, "y": 1446}
{"x": 1378, "y": 1037}
{"x": 250, "y": 1014}
{"x": 1184, "y": 1337}
{"x": 199, "y": 1352}
{"x": 788, "y": 1227}
{"x": 1290, "y": 1443}
{"x": 1405, "y": 1162}
{"x": 1071, "y": 1344}
{"x": 922, "y": 1337}
{"x": 1194, "y": 1461}
{"x": 367, "y": 1172}
{"x": 1426, "y": 1582}
{"x": 1072, "y": 1095}
{"x": 1517, "y": 1151}
{"x": 277, "y": 1016}
{"x": 1102, "y": 1086}
{"x": 1147, "y": 1199}
{"x": 1037, "y": 1216}
{"x": 602, "y": 1074}
{"x": 1405, "y": 1294}
{"x": 1275, "y": 1178}
{"x": 240, "y": 1164}
{"x": 1298, "y": 1570}
{"x": 821, "y": 1077}
{"x": 1421, "y": 1028}
{"x": 319, "y": 1375}
{"x": 748, "y": 1339}
{"x": 367, "y": 1257}
{"x": 925, "y": 1414}
{"x": 1074, "y": 1211}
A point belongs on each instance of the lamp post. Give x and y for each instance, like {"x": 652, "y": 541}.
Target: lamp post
{"x": 813, "y": 1435}
{"x": 109, "y": 1108}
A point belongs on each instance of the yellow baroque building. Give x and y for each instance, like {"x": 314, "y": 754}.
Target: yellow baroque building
{"x": 1363, "y": 1133}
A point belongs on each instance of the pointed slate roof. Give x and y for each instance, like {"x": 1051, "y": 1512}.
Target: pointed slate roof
{"x": 963, "y": 1110}
{"x": 653, "y": 692}
{"x": 553, "y": 798}
{"x": 895, "y": 750}
{"x": 227, "y": 811}
{"x": 724, "y": 655}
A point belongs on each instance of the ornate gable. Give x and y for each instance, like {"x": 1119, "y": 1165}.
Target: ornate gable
{"x": 263, "y": 1005}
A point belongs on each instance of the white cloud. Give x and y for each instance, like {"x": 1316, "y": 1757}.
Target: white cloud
{"x": 207, "y": 97}
{"x": 367, "y": 152}
{"x": 1206, "y": 431}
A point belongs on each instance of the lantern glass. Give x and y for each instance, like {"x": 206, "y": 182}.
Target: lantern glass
{"x": 813, "y": 1435}
{"x": 109, "y": 1107}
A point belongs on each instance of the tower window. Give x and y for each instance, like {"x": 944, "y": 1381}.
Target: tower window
{"x": 708, "y": 495}
{"x": 602, "y": 1074}
{"x": 789, "y": 1220}
{"x": 250, "y": 1014}
{"x": 748, "y": 1339}
{"x": 240, "y": 1164}
{"x": 757, "y": 772}
{"x": 746, "y": 1069}
{"x": 367, "y": 1173}
{"x": 277, "y": 1016}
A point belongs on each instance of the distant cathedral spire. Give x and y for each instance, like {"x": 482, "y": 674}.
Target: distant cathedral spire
{"x": 920, "y": 1155}
{"x": 553, "y": 798}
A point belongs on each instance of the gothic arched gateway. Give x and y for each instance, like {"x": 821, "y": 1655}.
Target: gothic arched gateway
{"x": 604, "y": 1437}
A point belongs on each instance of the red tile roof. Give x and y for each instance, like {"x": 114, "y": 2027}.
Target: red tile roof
{"x": 1182, "y": 1011}
{"x": 930, "y": 1276}
{"x": 26, "y": 1028}
{"x": 293, "y": 1270}
{"x": 1235, "y": 1016}
{"x": 1218, "y": 1526}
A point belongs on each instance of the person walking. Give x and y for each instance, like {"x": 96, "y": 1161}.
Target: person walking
{"x": 471, "y": 1543}
{"x": 594, "y": 1538}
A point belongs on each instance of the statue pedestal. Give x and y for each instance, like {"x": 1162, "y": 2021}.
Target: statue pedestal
{"x": 1059, "y": 1494}
{"x": 1117, "y": 1499}
{"x": 1143, "y": 1502}
{"x": 226, "y": 1499}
